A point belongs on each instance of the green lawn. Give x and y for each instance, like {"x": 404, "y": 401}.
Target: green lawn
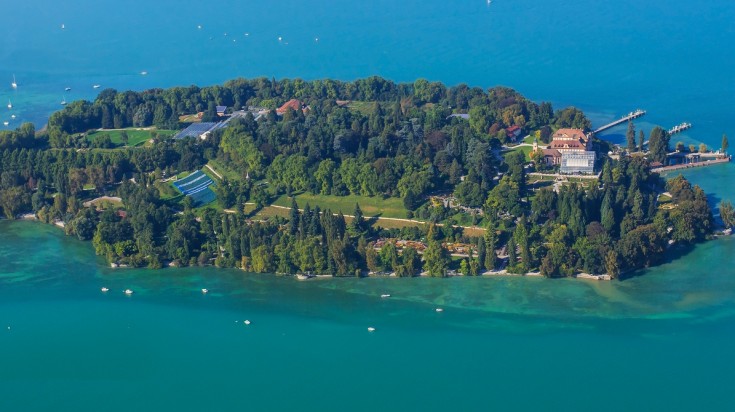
{"x": 366, "y": 108}
{"x": 525, "y": 149}
{"x": 223, "y": 169}
{"x": 135, "y": 136}
{"x": 371, "y": 206}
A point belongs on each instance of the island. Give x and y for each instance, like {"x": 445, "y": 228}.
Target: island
{"x": 362, "y": 178}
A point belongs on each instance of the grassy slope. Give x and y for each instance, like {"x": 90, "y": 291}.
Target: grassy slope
{"x": 135, "y": 136}
{"x": 371, "y": 206}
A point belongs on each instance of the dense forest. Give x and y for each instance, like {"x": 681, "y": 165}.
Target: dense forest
{"x": 367, "y": 138}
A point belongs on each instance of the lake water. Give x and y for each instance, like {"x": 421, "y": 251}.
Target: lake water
{"x": 655, "y": 342}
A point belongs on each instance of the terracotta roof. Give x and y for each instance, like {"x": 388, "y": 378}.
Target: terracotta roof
{"x": 569, "y": 134}
{"x": 568, "y": 144}
{"x": 513, "y": 129}
{"x": 293, "y": 104}
{"x": 551, "y": 152}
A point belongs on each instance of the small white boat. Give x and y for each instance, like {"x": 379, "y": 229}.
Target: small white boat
{"x": 247, "y": 322}
{"x": 12, "y": 116}
{"x": 439, "y": 310}
{"x": 10, "y": 105}
{"x": 96, "y": 86}
{"x": 199, "y": 27}
{"x": 205, "y": 291}
{"x": 5, "y": 123}
{"x": 67, "y": 89}
{"x": 371, "y": 329}
{"x": 280, "y": 38}
{"x": 63, "y": 102}
{"x": 63, "y": 26}
{"x": 128, "y": 292}
{"x": 104, "y": 289}
{"x": 143, "y": 73}
{"x": 14, "y": 84}
{"x": 385, "y": 295}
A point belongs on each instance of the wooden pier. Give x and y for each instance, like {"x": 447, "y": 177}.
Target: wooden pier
{"x": 679, "y": 128}
{"x": 724, "y": 159}
{"x": 630, "y": 116}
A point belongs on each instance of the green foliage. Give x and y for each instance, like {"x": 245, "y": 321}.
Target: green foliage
{"x": 658, "y": 144}
{"x": 436, "y": 259}
{"x": 727, "y": 214}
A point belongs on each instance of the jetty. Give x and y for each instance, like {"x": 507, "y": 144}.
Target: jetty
{"x": 717, "y": 160}
{"x": 679, "y": 128}
{"x": 630, "y": 116}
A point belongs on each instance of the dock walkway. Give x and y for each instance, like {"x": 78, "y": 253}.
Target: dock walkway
{"x": 691, "y": 165}
{"x": 630, "y": 116}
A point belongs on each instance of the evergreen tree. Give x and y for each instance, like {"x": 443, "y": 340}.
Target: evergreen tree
{"x": 658, "y": 144}
{"x": 481, "y": 252}
{"x": 725, "y": 143}
{"x": 436, "y": 259}
{"x": 630, "y": 136}
{"x": 490, "y": 244}
{"x": 512, "y": 258}
{"x": 293, "y": 217}
{"x": 358, "y": 221}
{"x": 641, "y": 140}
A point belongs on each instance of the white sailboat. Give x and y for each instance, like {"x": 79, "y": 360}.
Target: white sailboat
{"x": 14, "y": 84}
{"x": 63, "y": 100}
{"x": 6, "y": 123}
{"x": 10, "y": 105}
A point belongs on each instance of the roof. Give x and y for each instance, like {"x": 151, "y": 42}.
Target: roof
{"x": 513, "y": 129}
{"x": 551, "y": 152}
{"x": 293, "y": 104}
{"x": 568, "y": 144}
{"x": 569, "y": 134}
{"x": 465, "y": 116}
{"x": 221, "y": 109}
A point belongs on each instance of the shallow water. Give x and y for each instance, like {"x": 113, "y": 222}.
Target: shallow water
{"x": 506, "y": 342}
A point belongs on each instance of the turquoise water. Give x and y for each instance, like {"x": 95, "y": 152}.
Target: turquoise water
{"x": 655, "y": 342}
{"x": 658, "y": 342}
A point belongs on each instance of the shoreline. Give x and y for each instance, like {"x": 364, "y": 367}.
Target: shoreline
{"x": 30, "y": 217}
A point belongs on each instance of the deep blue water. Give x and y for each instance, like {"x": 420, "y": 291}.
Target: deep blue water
{"x": 656, "y": 342}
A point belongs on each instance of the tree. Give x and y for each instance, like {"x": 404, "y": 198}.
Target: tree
{"x": 293, "y": 217}
{"x": 358, "y": 222}
{"x": 630, "y": 136}
{"x": 727, "y": 214}
{"x": 512, "y": 258}
{"x": 612, "y": 265}
{"x": 262, "y": 260}
{"x": 641, "y": 140}
{"x": 436, "y": 259}
{"x": 702, "y": 148}
{"x": 490, "y": 244}
{"x": 658, "y": 144}
{"x": 124, "y": 138}
{"x": 725, "y": 143}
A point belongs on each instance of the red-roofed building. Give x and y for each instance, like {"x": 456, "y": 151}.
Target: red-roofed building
{"x": 569, "y": 140}
{"x": 513, "y": 133}
{"x": 292, "y": 104}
